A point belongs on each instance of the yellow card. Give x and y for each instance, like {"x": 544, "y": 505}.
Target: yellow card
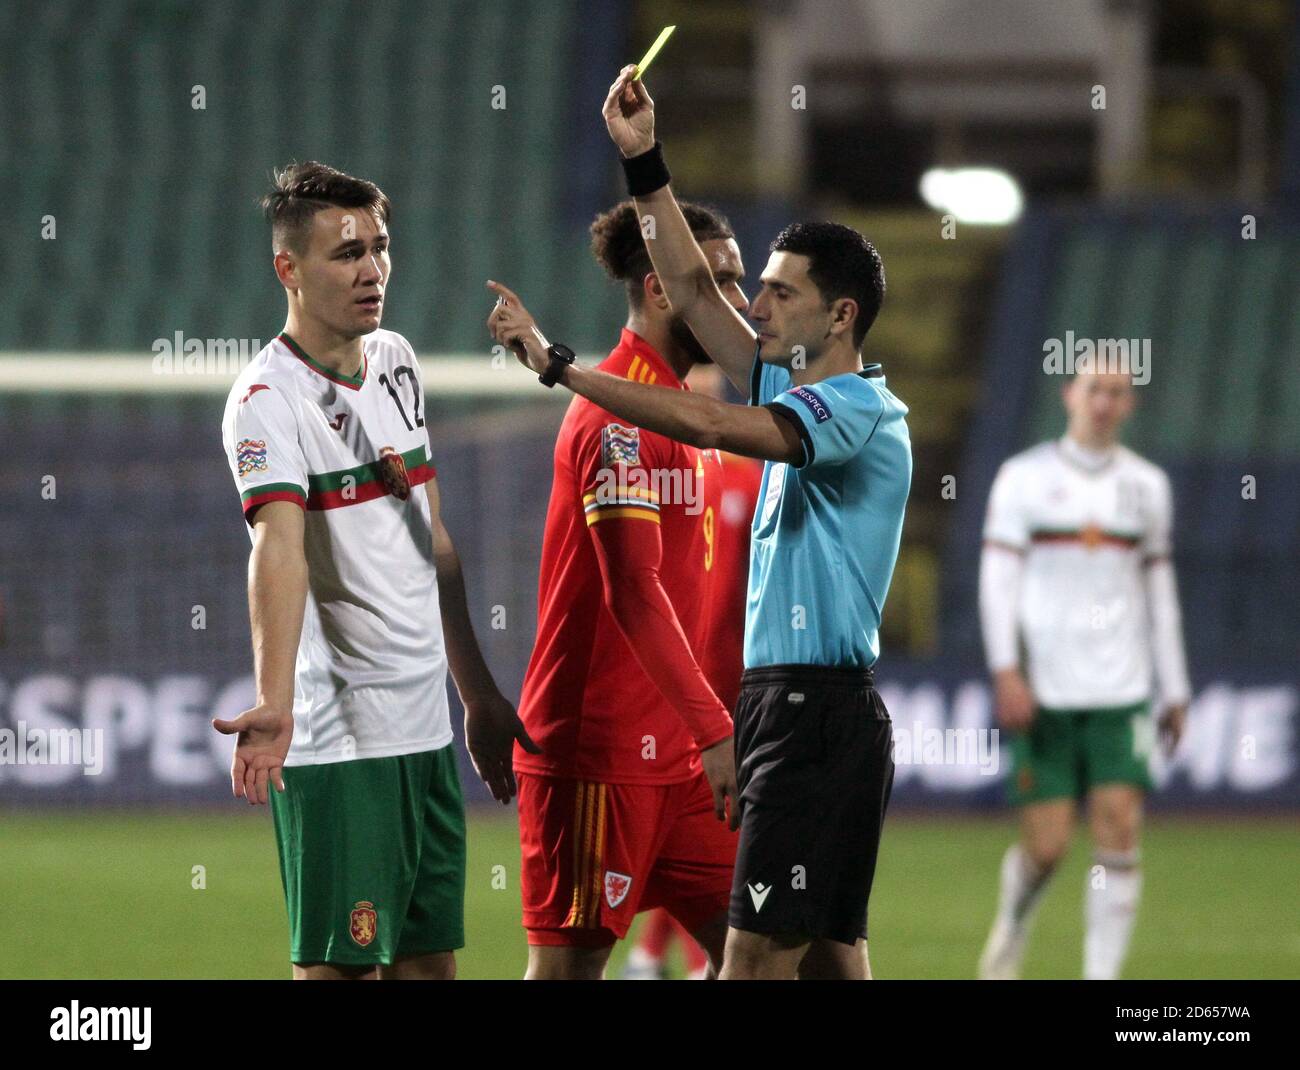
{"x": 648, "y": 58}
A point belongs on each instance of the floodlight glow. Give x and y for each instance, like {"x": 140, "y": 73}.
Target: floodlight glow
{"x": 973, "y": 194}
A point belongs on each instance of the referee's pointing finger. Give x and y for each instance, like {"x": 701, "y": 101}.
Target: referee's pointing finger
{"x": 504, "y": 292}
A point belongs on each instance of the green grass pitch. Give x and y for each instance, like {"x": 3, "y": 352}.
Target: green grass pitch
{"x": 109, "y": 895}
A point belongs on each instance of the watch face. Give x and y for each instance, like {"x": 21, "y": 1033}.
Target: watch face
{"x": 558, "y": 356}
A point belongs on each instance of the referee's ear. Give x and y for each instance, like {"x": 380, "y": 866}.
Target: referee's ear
{"x": 844, "y": 314}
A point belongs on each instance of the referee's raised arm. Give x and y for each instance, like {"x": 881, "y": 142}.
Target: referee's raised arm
{"x": 681, "y": 265}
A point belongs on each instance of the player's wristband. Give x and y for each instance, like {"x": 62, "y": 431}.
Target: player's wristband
{"x": 561, "y": 356}
{"x": 647, "y": 172}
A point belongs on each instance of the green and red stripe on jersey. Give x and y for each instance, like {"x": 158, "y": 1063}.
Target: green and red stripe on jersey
{"x": 272, "y": 492}
{"x": 347, "y": 486}
{"x": 1090, "y": 536}
{"x": 352, "y": 382}
{"x": 365, "y": 482}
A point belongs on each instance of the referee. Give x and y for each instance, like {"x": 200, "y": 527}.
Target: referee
{"x": 813, "y": 739}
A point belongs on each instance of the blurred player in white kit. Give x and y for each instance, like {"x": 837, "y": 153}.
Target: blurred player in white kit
{"x": 1082, "y": 632}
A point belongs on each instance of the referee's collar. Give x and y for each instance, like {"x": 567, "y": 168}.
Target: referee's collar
{"x": 872, "y": 371}
{"x": 644, "y": 364}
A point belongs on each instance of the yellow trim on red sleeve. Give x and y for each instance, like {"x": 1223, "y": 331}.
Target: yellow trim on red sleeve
{"x": 630, "y": 512}
{"x": 622, "y": 495}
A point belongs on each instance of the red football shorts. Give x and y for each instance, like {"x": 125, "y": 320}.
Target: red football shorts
{"x": 594, "y": 855}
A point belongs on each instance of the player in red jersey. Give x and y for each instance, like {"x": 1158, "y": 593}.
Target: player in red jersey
{"x": 724, "y": 655}
{"x": 722, "y": 658}
{"x": 626, "y": 808}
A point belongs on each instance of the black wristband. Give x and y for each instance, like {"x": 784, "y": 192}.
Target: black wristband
{"x": 560, "y": 357}
{"x": 647, "y": 172}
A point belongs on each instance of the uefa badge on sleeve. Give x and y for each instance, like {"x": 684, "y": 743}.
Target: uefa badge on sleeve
{"x": 619, "y": 445}
{"x": 392, "y": 469}
{"x": 814, "y": 402}
{"x": 251, "y": 455}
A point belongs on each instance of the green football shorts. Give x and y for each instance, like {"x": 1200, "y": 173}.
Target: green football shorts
{"x": 372, "y": 855}
{"x": 1066, "y": 753}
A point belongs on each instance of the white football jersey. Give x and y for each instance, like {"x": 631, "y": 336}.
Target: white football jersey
{"x": 371, "y": 670}
{"x": 1088, "y": 525}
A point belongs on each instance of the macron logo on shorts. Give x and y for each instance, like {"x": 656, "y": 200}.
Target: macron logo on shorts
{"x": 815, "y": 404}
{"x": 758, "y": 893}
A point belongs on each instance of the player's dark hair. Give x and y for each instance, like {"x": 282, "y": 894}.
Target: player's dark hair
{"x": 841, "y": 263}
{"x": 619, "y": 247}
{"x": 300, "y": 190}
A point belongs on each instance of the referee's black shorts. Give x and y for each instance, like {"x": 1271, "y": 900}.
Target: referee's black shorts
{"x": 815, "y": 765}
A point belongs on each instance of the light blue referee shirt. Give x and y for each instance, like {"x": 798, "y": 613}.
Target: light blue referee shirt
{"x": 826, "y": 532}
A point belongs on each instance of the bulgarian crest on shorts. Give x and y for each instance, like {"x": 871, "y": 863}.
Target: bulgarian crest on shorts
{"x": 619, "y": 445}
{"x": 617, "y": 885}
{"x": 364, "y": 923}
{"x": 392, "y": 470}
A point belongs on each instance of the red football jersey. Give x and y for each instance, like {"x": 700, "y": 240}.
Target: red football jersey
{"x": 724, "y": 653}
{"x": 632, "y": 518}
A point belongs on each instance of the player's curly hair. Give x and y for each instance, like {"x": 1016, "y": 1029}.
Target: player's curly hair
{"x": 300, "y": 190}
{"x": 619, "y": 248}
{"x": 841, "y": 263}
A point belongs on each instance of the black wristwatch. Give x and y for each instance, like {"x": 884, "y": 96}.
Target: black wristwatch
{"x": 561, "y": 357}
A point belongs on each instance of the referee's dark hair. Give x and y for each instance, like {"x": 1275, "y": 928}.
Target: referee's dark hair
{"x": 300, "y": 190}
{"x": 841, "y": 263}
{"x": 619, "y": 247}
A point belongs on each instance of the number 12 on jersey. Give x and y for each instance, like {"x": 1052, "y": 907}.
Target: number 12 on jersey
{"x": 398, "y": 372}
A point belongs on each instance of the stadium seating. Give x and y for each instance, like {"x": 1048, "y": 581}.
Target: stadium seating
{"x": 404, "y": 108}
{"x": 1223, "y": 403}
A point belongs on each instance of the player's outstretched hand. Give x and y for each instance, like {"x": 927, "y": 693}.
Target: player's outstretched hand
{"x": 630, "y": 114}
{"x": 491, "y": 729}
{"x": 264, "y": 737}
{"x": 512, "y": 325}
{"x": 1170, "y": 726}
{"x": 719, "y": 762}
{"x": 1015, "y": 701}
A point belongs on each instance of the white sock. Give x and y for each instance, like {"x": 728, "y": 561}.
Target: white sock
{"x": 1110, "y": 908}
{"x": 1022, "y": 884}
{"x": 641, "y": 959}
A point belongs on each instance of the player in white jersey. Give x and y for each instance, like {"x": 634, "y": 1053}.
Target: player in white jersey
{"x": 358, "y": 608}
{"x": 1077, "y": 593}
